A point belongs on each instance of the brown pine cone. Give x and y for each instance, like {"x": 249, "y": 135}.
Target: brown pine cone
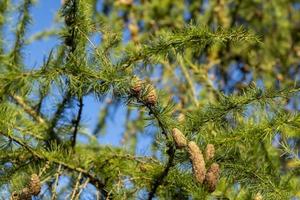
{"x": 197, "y": 160}
{"x": 136, "y": 86}
{"x": 212, "y": 176}
{"x": 35, "y": 184}
{"x": 15, "y": 196}
{"x": 179, "y": 138}
{"x": 25, "y": 194}
{"x": 151, "y": 97}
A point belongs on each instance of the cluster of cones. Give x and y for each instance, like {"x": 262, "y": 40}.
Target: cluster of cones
{"x": 207, "y": 177}
{"x": 145, "y": 92}
{"x": 33, "y": 189}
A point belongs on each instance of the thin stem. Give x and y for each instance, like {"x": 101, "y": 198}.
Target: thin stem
{"x": 57, "y": 115}
{"x": 28, "y": 109}
{"x": 57, "y": 175}
{"x": 81, "y": 188}
{"x": 75, "y": 190}
{"x": 77, "y": 122}
{"x": 171, "y": 151}
{"x": 189, "y": 79}
{"x": 163, "y": 175}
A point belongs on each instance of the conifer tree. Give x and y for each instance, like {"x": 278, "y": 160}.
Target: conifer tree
{"x": 214, "y": 84}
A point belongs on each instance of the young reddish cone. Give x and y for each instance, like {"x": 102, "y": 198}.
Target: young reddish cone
{"x": 35, "y": 184}
{"x": 179, "y": 138}
{"x": 197, "y": 160}
{"x": 212, "y": 176}
{"x": 209, "y": 152}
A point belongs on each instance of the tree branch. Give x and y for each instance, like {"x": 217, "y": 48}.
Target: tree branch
{"x": 77, "y": 122}
{"x": 157, "y": 182}
{"x": 93, "y": 179}
{"x": 171, "y": 151}
{"x": 20, "y": 101}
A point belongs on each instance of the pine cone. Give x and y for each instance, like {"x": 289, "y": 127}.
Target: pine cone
{"x": 212, "y": 176}
{"x": 136, "y": 86}
{"x": 179, "y": 138}
{"x": 15, "y": 196}
{"x": 25, "y": 194}
{"x": 151, "y": 97}
{"x": 197, "y": 160}
{"x": 35, "y": 184}
{"x": 209, "y": 152}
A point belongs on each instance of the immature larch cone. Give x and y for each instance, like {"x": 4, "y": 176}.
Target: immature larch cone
{"x": 179, "y": 138}
{"x": 136, "y": 86}
{"x": 197, "y": 160}
{"x": 35, "y": 184}
{"x": 212, "y": 176}
{"x": 209, "y": 152}
{"x": 151, "y": 97}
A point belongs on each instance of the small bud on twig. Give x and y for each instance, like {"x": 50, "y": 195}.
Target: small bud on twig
{"x": 179, "y": 138}
{"x": 197, "y": 160}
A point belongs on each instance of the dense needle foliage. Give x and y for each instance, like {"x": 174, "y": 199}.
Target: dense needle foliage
{"x": 214, "y": 83}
